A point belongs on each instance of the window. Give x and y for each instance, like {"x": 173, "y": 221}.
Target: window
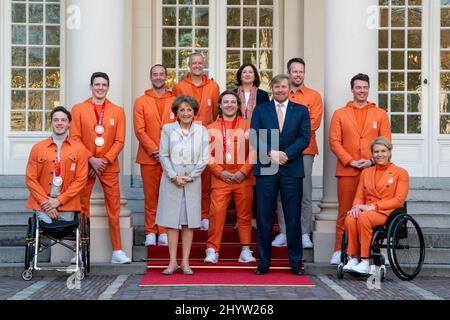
{"x": 250, "y": 38}
{"x": 194, "y": 25}
{"x": 35, "y": 63}
{"x": 400, "y": 64}
{"x": 445, "y": 68}
{"x": 185, "y": 30}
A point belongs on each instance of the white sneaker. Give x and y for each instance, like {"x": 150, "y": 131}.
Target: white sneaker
{"x": 246, "y": 256}
{"x": 120, "y": 257}
{"x": 351, "y": 263}
{"x": 280, "y": 241}
{"x": 336, "y": 258}
{"x": 162, "y": 240}
{"x": 150, "y": 240}
{"x": 306, "y": 241}
{"x": 211, "y": 256}
{"x": 204, "y": 224}
{"x": 362, "y": 267}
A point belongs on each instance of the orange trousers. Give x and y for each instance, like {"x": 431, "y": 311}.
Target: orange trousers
{"x": 206, "y": 192}
{"x": 346, "y": 193}
{"x": 360, "y": 231}
{"x": 220, "y": 198}
{"x": 111, "y": 191}
{"x": 151, "y": 178}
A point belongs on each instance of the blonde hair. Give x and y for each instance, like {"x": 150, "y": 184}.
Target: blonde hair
{"x": 384, "y": 142}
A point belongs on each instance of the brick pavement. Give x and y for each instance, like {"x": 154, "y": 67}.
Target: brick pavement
{"x": 93, "y": 286}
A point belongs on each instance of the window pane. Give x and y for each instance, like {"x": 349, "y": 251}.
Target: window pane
{"x": 414, "y": 103}
{"x": 398, "y": 123}
{"x": 185, "y": 38}
{"x": 397, "y": 103}
{"x": 383, "y": 101}
{"x": 383, "y": 60}
{"x": 415, "y": 17}
{"x": 52, "y": 79}
{"x": 445, "y": 17}
{"x": 398, "y": 60}
{"x": 233, "y": 59}
{"x": 384, "y": 17}
{"x": 19, "y": 13}
{"x": 169, "y": 58}
{"x": 169, "y": 37}
{"x": 249, "y": 57}
{"x": 414, "y": 82}
{"x": 234, "y": 17}
{"x": 35, "y": 121}
{"x": 35, "y": 57}
{"x": 266, "y": 17}
{"x": 18, "y": 121}
{"x": 397, "y": 81}
{"x": 202, "y": 17}
{"x": 19, "y": 34}
{"x": 36, "y": 78}
{"x": 383, "y": 81}
{"x": 445, "y": 60}
{"x": 445, "y": 39}
{"x": 48, "y": 121}
{"x": 18, "y": 100}
{"x": 398, "y": 17}
{"x": 36, "y": 35}
{"x": 185, "y": 16}
{"x": 169, "y": 16}
{"x": 231, "y": 79}
{"x": 18, "y": 78}
{"x": 445, "y": 103}
{"x": 383, "y": 39}
{"x": 414, "y": 39}
{"x": 445, "y": 124}
{"x": 265, "y": 38}
{"x": 19, "y": 56}
{"x": 233, "y": 38}
{"x": 52, "y": 57}
{"x": 250, "y": 17}
{"x": 445, "y": 81}
{"x": 249, "y": 37}
{"x": 201, "y": 38}
{"x": 183, "y": 57}
{"x": 51, "y": 99}
{"x": 35, "y": 100}
{"x": 414, "y": 124}
{"x": 52, "y": 14}
{"x": 52, "y": 34}
{"x": 398, "y": 39}
{"x": 414, "y": 60}
{"x": 36, "y": 13}
{"x": 265, "y": 60}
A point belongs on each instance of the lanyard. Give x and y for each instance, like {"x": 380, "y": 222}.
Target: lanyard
{"x": 102, "y": 113}
{"x": 224, "y": 133}
{"x": 58, "y": 168}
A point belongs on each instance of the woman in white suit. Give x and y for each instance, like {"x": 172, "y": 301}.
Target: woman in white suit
{"x": 184, "y": 155}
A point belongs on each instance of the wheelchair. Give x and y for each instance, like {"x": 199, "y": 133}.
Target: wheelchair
{"x": 404, "y": 243}
{"x": 42, "y": 236}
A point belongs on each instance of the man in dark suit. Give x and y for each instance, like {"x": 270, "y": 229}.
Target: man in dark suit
{"x": 280, "y": 133}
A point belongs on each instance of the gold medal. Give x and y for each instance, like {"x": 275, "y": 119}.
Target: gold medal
{"x": 57, "y": 181}
{"x": 99, "y": 129}
{"x": 99, "y": 141}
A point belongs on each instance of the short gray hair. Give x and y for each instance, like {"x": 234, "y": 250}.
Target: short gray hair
{"x": 189, "y": 100}
{"x": 277, "y": 79}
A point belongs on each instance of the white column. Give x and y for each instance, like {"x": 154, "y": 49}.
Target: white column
{"x": 98, "y": 40}
{"x": 351, "y": 47}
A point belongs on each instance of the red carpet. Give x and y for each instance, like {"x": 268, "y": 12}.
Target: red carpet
{"x": 225, "y": 277}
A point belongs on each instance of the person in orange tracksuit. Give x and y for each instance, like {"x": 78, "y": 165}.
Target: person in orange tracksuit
{"x": 381, "y": 189}
{"x": 352, "y": 129}
{"x": 232, "y": 176}
{"x": 151, "y": 112}
{"x": 312, "y": 100}
{"x": 206, "y": 92}
{"x": 100, "y": 126}
{"x": 56, "y": 173}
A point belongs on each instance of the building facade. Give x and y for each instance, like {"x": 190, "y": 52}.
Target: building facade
{"x": 49, "y": 49}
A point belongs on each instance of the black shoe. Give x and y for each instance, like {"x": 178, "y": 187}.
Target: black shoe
{"x": 298, "y": 271}
{"x": 261, "y": 270}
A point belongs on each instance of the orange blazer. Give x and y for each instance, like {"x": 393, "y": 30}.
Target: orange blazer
{"x": 83, "y": 125}
{"x": 388, "y": 194}
{"x": 312, "y": 100}
{"x": 239, "y": 149}
{"x": 148, "y": 123}
{"x": 348, "y": 143}
{"x": 39, "y": 174}
{"x": 209, "y": 102}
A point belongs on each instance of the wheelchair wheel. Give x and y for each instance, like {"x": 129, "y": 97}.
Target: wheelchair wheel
{"x": 406, "y": 247}
{"x": 30, "y": 244}
{"x": 340, "y": 271}
{"x": 84, "y": 248}
{"x": 27, "y": 275}
{"x": 382, "y": 273}
{"x": 344, "y": 244}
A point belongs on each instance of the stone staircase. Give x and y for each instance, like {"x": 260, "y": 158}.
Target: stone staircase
{"x": 428, "y": 203}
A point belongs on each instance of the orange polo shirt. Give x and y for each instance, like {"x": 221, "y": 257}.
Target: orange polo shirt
{"x": 40, "y": 168}
{"x": 312, "y": 100}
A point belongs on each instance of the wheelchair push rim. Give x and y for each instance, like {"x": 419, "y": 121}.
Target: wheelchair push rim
{"x": 406, "y": 247}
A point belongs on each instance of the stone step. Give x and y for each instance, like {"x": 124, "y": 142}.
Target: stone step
{"x": 14, "y": 194}
{"x": 17, "y": 255}
{"x": 12, "y": 236}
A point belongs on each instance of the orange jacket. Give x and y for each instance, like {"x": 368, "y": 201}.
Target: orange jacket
{"x": 83, "y": 126}
{"x": 39, "y": 174}
{"x": 388, "y": 194}
{"x": 348, "y": 143}
{"x": 312, "y": 100}
{"x": 239, "y": 150}
{"x": 209, "y": 102}
{"x": 148, "y": 123}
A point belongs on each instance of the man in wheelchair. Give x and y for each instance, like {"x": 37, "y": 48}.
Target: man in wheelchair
{"x": 382, "y": 189}
{"x": 56, "y": 174}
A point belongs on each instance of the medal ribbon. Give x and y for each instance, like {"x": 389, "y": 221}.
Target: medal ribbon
{"x": 58, "y": 168}
{"x": 99, "y": 117}
{"x": 224, "y": 133}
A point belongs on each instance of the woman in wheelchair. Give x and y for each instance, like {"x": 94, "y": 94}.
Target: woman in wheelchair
{"x": 382, "y": 189}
